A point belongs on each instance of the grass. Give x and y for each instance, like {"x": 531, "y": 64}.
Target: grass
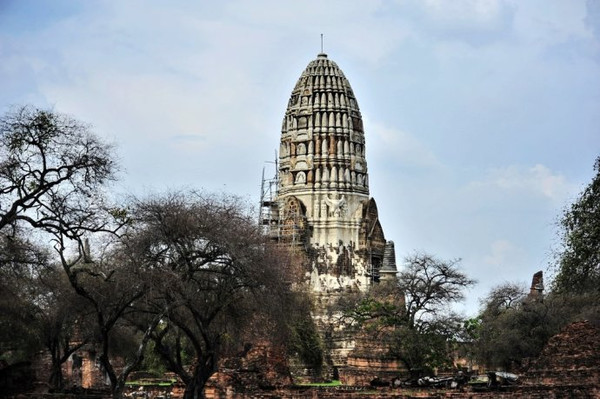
{"x": 334, "y": 383}
{"x": 161, "y": 383}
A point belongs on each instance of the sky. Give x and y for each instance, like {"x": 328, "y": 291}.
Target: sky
{"x": 482, "y": 117}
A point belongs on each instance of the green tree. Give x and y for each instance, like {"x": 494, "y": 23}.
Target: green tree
{"x": 515, "y": 326}
{"x": 579, "y": 261}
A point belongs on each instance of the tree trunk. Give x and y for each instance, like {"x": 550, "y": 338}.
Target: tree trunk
{"x": 56, "y": 377}
{"x": 117, "y": 390}
{"x": 194, "y": 389}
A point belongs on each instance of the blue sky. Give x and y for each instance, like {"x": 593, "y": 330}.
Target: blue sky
{"x": 482, "y": 117}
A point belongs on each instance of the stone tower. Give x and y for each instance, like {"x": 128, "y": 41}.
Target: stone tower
{"x": 323, "y": 193}
{"x": 320, "y": 204}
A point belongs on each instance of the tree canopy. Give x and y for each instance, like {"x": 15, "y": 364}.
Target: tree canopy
{"x": 210, "y": 275}
{"x": 579, "y": 261}
{"x": 52, "y": 171}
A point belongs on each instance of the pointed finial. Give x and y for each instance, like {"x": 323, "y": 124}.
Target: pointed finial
{"x": 322, "y": 54}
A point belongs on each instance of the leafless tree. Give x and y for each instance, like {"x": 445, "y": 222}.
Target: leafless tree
{"x": 430, "y": 285}
{"x": 40, "y": 310}
{"x": 413, "y": 312}
{"x": 214, "y": 275}
{"x": 61, "y": 319}
{"x": 504, "y": 296}
{"x": 52, "y": 171}
{"x": 111, "y": 283}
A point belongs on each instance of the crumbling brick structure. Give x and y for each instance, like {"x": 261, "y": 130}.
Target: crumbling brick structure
{"x": 571, "y": 358}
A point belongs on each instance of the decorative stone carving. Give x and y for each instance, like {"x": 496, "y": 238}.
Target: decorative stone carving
{"x": 347, "y": 178}
{"x": 302, "y": 122}
{"x": 300, "y": 178}
{"x": 325, "y": 174}
{"x": 301, "y": 149}
{"x": 300, "y": 165}
{"x": 323, "y": 209}
{"x": 337, "y": 206}
{"x": 309, "y": 162}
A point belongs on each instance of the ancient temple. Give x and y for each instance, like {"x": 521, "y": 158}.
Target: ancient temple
{"x": 319, "y": 201}
{"x": 322, "y": 199}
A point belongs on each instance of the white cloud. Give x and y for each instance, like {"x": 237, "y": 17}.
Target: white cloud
{"x": 401, "y": 147}
{"x": 483, "y": 13}
{"x": 476, "y": 22}
{"x": 502, "y": 253}
{"x": 538, "y": 180}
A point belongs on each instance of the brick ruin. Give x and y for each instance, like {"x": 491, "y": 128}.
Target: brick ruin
{"x": 568, "y": 367}
{"x": 259, "y": 368}
{"x": 570, "y": 359}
